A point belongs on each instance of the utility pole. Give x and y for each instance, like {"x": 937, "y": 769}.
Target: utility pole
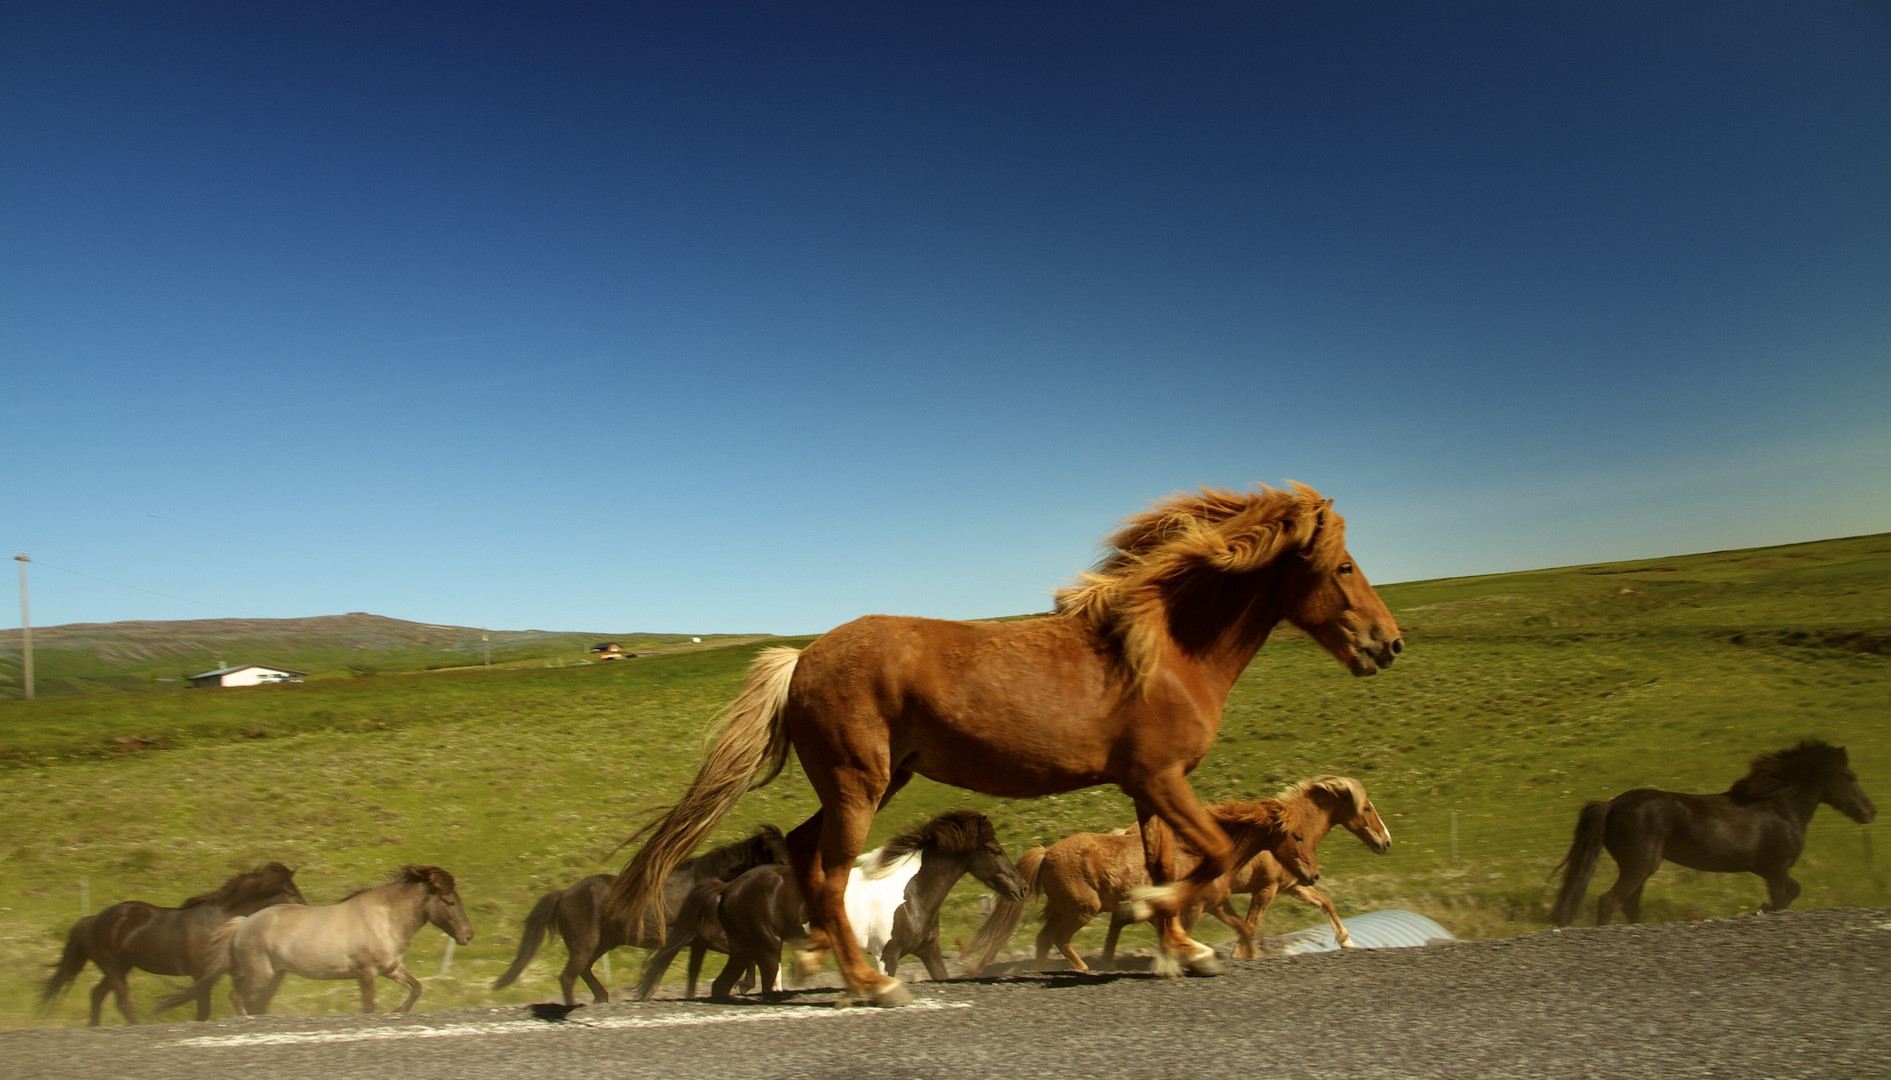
{"x": 26, "y": 631}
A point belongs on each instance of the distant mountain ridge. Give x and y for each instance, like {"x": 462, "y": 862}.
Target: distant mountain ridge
{"x": 143, "y": 654}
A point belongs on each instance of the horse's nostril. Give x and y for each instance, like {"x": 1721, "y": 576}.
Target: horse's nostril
{"x": 1398, "y": 645}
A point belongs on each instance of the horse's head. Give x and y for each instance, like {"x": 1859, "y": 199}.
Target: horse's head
{"x": 277, "y": 885}
{"x": 442, "y": 905}
{"x": 1843, "y": 793}
{"x": 1293, "y": 838}
{"x": 967, "y": 837}
{"x": 1347, "y": 804}
{"x": 1329, "y": 598}
{"x": 992, "y": 866}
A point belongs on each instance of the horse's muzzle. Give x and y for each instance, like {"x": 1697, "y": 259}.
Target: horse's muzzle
{"x": 1372, "y": 656}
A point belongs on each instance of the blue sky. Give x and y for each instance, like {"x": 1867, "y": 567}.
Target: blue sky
{"x": 728, "y": 317}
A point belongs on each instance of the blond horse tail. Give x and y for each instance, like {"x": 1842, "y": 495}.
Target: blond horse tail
{"x": 748, "y": 747}
{"x": 1004, "y": 918}
{"x": 216, "y": 965}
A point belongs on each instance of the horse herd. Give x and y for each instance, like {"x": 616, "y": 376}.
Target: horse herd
{"x": 740, "y": 899}
{"x": 1122, "y": 683}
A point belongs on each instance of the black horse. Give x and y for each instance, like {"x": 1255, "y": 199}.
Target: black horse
{"x": 1758, "y": 826}
{"x": 161, "y": 940}
{"x": 589, "y": 933}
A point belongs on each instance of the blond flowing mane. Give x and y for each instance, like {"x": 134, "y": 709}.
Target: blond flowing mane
{"x": 1159, "y": 554}
{"x": 1344, "y": 787}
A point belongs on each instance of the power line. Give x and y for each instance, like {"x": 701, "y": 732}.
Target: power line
{"x": 152, "y": 592}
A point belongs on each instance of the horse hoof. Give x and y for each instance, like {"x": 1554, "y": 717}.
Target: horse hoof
{"x": 1208, "y": 964}
{"x": 890, "y": 995}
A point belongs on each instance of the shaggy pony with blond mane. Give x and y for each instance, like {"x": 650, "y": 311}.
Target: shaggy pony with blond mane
{"x": 1123, "y": 684}
{"x": 1086, "y": 874}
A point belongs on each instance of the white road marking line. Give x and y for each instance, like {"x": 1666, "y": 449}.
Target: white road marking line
{"x": 516, "y": 1027}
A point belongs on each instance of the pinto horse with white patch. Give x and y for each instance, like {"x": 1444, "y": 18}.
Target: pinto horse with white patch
{"x": 1122, "y": 684}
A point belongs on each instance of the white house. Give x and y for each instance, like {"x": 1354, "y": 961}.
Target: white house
{"x": 246, "y": 675}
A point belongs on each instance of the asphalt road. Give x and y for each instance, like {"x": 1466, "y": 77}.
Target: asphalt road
{"x": 1803, "y": 994}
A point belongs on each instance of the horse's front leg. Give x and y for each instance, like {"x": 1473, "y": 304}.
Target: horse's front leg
{"x": 1244, "y": 947}
{"x": 1309, "y": 895}
{"x": 1167, "y": 796}
{"x": 1257, "y": 907}
{"x": 1781, "y": 891}
{"x": 401, "y": 975}
{"x": 364, "y": 978}
{"x": 930, "y": 955}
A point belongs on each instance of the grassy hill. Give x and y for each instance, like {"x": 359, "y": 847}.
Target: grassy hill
{"x": 82, "y": 658}
{"x": 1521, "y": 696}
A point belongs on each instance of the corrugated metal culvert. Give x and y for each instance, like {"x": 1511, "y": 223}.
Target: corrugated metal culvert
{"x": 1390, "y": 929}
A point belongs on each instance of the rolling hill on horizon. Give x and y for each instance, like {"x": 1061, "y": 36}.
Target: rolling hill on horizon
{"x": 78, "y": 658}
{"x": 140, "y": 655}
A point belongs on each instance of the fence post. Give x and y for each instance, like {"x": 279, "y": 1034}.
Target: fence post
{"x": 607, "y": 968}
{"x": 1454, "y": 836}
{"x": 446, "y": 960}
{"x": 85, "y": 895}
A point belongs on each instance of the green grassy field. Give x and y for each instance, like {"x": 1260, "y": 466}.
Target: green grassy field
{"x": 1521, "y": 696}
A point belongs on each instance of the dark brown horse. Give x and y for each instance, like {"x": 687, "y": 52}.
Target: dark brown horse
{"x": 1758, "y": 826}
{"x": 1123, "y": 684}
{"x": 1088, "y": 873}
{"x": 161, "y": 940}
{"x": 894, "y": 897}
{"x": 579, "y": 912}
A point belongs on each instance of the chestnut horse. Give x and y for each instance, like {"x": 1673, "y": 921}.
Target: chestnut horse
{"x": 1757, "y": 826}
{"x": 1122, "y": 684}
{"x": 164, "y": 941}
{"x": 1333, "y": 800}
{"x": 1087, "y": 873}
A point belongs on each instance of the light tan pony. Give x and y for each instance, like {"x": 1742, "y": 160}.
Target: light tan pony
{"x": 364, "y": 937}
{"x": 1122, "y": 684}
{"x": 1085, "y": 874}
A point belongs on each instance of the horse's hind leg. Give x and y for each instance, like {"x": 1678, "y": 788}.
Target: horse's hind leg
{"x": 99, "y": 993}
{"x": 1257, "y": 911}
{"x": 203, "y": 1003}
{"x": 120, "y": 988}
{"x": 1117, "y": 922}
{"x": 1626, "y": 894}
{"x": 849, "y": 795}
{"x": 737, "y": 966}
{"x": 1059, "y": 928}
{"x": 1168, "y": 796}
{"x": 569, "y": 979}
